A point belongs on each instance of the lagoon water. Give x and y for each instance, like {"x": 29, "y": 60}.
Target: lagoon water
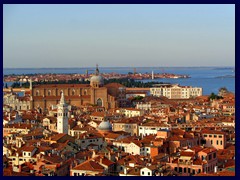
{"x": 209, "y": 78}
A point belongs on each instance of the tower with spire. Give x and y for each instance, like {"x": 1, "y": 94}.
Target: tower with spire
{"x": 62, "y": 116}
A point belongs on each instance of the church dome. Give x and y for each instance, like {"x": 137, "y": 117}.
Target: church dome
{"x": 97, "y": 80}
{"x": 105, "y": 126}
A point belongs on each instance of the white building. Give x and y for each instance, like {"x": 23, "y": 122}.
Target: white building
{"x": 131, "y": 112}
{"x": 129, "y": 147}
{"x": 174, "y": 91}
{"x": 144, "y": 106}
{"x": 62, "y": 116}
{"x": 151, "y": 128}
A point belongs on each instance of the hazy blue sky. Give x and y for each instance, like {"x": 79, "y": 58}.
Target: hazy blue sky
{"x": 118, "y": 35}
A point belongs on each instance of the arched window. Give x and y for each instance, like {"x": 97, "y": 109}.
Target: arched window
{"x": 49, "y": 92}
{"x": 73, "y": 92}
{"x": 85, "y": 92}
{"x": 99, "y": 102}
{"x": 37, "y": 93}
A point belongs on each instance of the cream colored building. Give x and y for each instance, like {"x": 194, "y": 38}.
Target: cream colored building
{"x": 174, "y": 91}
{"x": 131, "y": 112}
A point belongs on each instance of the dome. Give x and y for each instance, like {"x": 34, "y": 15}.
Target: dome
{"x": 97, "y": 79}
{"x": 105, "y": 126}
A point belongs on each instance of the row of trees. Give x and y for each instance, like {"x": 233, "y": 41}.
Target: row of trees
{"x": 126, "y": 82}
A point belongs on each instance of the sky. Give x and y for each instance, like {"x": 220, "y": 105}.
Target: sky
{"x": 184, "y": 35}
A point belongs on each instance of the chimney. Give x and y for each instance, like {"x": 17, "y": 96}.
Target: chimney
{"x": 20, "y": 168}
{"x": 125, "y": 170}
{"x": 94, "y": 153}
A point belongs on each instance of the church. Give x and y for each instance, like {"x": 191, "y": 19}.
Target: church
{"x": 112, "y": 95}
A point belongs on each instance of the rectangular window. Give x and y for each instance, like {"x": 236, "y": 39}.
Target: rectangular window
{"x": 221, "y": 142}
{"x": 210, "y": 157}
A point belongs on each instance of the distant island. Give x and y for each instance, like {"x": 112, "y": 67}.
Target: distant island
{"x": 226, "y": 76}
{"x": 87, "y": 76}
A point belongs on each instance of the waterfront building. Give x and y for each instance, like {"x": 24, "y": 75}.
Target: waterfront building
{"x": 174, "y": 91}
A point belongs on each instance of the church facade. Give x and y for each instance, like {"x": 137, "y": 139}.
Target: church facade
{"x": 111, "y": 95}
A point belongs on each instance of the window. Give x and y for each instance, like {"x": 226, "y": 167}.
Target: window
{"x": 185, "y": 170}
{"x": 211, "y": 142}
{"x": 210, "y": 135}
{"x": 142, "y": 172}
{"x": 99, "y": 102}
{"x": 37, "y": 93}
{"x": 221, "y": 142}
{"x": 215, "y": 136}
{"x": 217, "y": 142}
{"x": 210, "y": 157}
{"x": 214, "y": 155}
{"x": 205, "y": 135}
{"x": 149, "y": 173}
{"x": 220, "y": 136}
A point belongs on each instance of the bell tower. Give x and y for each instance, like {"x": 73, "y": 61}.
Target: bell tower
{"x": 62, "y": 116}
